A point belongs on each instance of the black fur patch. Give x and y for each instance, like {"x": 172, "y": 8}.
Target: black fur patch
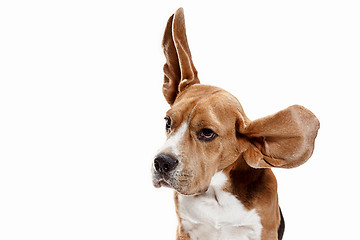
{"x": 281, "y": 227}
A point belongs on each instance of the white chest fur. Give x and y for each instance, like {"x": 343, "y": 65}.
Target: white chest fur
{"x": 218, "y": 215}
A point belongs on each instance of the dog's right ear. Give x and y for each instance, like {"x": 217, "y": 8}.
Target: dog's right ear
{"x": 179, "y": 70}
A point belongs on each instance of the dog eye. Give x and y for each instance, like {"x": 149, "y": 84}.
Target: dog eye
{"x": 168, "y": 124}
{"x": 206, "y": 135}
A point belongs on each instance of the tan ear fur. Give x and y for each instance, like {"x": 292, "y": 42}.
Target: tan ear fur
{"x": 285, "y": 139}
{"x": 179, "y": 70}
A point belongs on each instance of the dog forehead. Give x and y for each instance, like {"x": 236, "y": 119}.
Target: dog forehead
{"x": 205, "y": 103}
{"x": 187, "y": 100}
{"x": 218, "y": 110}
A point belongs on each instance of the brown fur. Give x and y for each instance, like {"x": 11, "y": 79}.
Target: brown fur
{"x": 244, "y": 150}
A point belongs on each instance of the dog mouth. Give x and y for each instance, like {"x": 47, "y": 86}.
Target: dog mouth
{"x": 158, "y": 183}
{"x": 179, "y": 181}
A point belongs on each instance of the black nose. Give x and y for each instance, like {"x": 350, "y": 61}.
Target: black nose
{"x": 165, "y": 163}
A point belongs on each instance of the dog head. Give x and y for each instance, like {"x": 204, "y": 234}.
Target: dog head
{"x": 208, "y": 131}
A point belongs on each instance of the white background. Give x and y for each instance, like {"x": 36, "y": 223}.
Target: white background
{"x": 81, "y": 109}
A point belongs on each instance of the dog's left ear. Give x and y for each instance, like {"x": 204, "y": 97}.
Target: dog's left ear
{"x": 285, "y": 139}
{"x": 179, "y": 70}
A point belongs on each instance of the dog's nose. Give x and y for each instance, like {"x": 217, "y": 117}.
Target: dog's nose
{"x": 164, "y": 163}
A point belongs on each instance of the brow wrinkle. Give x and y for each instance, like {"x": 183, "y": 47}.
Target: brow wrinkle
{"x": 192, "y": 110}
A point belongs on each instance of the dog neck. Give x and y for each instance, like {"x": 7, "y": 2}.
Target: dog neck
{"x": 246, "y": 182}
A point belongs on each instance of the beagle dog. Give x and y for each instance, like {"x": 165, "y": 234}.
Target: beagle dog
{"x": 216, "y": 159}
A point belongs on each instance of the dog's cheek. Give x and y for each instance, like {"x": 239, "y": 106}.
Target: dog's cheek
{"x": 213, "y": 156}
{"x": 228, "y": 157}
{"x": 230, "y": 150}
{"x": 192, "y": 167}
{"x": 200, "y": 160}
{"x": 209, "y": 164}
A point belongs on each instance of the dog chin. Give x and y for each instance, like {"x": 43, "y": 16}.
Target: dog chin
{"x": 187, "y": 190}
{"x": 190, "y": 193}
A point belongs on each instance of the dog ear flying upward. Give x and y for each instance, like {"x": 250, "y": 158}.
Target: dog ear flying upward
{"x": 179, "y": 70}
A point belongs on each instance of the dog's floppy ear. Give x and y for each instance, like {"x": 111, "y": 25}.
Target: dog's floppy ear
{"x": 285, "y": 139}
{"x": 179, "y": 70}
